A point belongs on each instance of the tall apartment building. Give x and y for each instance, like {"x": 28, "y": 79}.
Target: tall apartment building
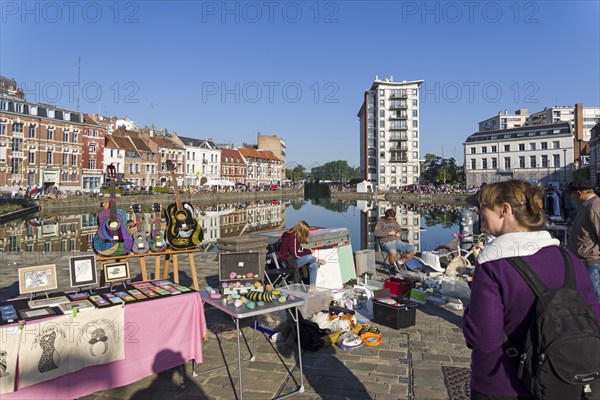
{"x": 389, "y": 134}
{"x": 504, "y": 121}
{"x": 543, "y": 153}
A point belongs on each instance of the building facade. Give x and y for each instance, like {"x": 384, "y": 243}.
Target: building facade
{"x": 542, "y": 153}
{"x": 262, "y": 167}
{"x": 272, "y": 143}
{"x": 504, "y": 121}
{"x": 389, "y": 134}
{"x": 202, "y": 160}
{"x": 233, "y": 166}
{"x": 594, "y": 161}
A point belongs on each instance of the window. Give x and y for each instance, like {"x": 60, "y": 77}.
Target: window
{"x": 473, "y": 150}
{"x": 382, "y": 134}
{"x": 19, "y": 108}
{"x": 415, "y": 169}
{"x": 382, "y": 124}
{"x": 484, "y": 163}
{"x": 49, "y": 157}
{"x": 522, "y": 162}
{"x": 507, "y": 147}
{"x": 65, "y": 158}
{"x": 415, "y": 113}
{"x": 415, "y": 102}
{"x": 382, "y": 170}
{"x": 494, "y": 149}
{"x": 415, "y": 145}
{"x": 92, "y": 148}
{"x": 556, "y": 160}
{"x": 50, "y": 134}
{"x": 31, "y": 157}
{"x": 74, "y": 137}
{"x": 414, "y": 92}
{"x": 382, "y": 145}
{"x": 32, "y": 131}
{"x": 381, "y": 103}
{"x": 393, "y": 169}
{"x": 494, "y": 163}
{"x": 382, "y": 92}
{"x": 74, "y": 159}
{"x": 393, "y": 180}
{"x": 17, "y": 128}
{"x": 521, "y": 146}
{"x": 17, "y": 144}
{"x": 66, "y": 137}
{"x": 2, "y": 129}
{"x": 484, "y": 149}
{"x": 16, "y": 165}
{"x": 556, "y": 144}
{"x": 415, "y": 123}
{"x": 382, "y": 154}
{"x": 544, "y": 161}
{"x": 404, "y": 169}
{"x": 473, "y": 164}
{"x": 382, "y": 180}
{"x": 544, "y": 145}
{"x": 415, "y": 155}
{"x": 531, "y": 146}
{"x": 415, "y": 134}
{"x": 532, "y": 162}
{"x": 92, "y": 164}
{"x": 507, "y": 163}
{"x": 382, "y": 113}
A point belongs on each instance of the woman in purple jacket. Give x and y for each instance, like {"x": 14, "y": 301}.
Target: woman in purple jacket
{"x": 501, "y": 301}
{"x": 291, "y": 245}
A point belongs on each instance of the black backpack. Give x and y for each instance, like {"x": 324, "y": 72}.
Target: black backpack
{"x": 560, "y": 358}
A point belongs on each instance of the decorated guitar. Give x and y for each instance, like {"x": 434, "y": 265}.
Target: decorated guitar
{"x": 140, "y": 243}
{"x": 158, "y": 242}
{"x": 183, "y": 230}
{"x": 113, "y": 237}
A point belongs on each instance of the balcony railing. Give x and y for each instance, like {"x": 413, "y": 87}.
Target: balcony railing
{"x": 399, "y": 137}
{"x": 398, "y": 106}
{"x": 398, "y": 116}
{"x": 398, "y": 128}
{"x": 398, "y": 96}
{"x": 398, "y": 159}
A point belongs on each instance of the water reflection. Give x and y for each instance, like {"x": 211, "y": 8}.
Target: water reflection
{"x": 425, "y": 225}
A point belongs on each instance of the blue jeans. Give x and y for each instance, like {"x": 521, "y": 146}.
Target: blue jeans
{"x": 397, "y": 246}
{"x": 314, "y": 267}
{"x": 594, "y": 271}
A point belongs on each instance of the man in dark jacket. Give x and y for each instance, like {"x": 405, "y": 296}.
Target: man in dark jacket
{"x": 584, "y": 238}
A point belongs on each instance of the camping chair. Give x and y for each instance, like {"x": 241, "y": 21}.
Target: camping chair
{"x": 392, "y": 269}
{"x": 277, "y": 274}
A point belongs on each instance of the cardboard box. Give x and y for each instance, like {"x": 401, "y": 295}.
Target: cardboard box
{"x": 313, "y": 301}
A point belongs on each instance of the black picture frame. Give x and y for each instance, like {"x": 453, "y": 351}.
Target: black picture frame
{"x": 116, "y": 272}
{"x": 82, "y": 271}
{"x": 36, "y": 313}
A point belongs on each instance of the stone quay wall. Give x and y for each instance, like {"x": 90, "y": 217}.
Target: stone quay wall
{"x": 86, "y": 203}
{"x": 430, "y": 198}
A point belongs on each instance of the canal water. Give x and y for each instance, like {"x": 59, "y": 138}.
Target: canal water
{"x": 425, "y": 226}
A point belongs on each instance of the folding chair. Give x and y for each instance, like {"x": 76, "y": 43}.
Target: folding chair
{"x": 392, "y": 269}
{"x": 275, "y": 274}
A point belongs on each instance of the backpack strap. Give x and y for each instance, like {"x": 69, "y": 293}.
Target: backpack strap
{"x": 570, "y": 273}
{"x": 529, "y": 276}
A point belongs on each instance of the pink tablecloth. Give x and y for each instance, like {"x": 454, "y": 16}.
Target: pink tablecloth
{"x": 159, "y": 334}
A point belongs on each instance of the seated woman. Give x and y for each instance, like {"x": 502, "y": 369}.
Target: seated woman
{"x": 291, "y": 246}
{"x": 387, "y": 231}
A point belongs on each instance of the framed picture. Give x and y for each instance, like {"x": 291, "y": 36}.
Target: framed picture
{"x": 51, "y": 302}
{"x": 81, "y": 305}
{"x": 116, "y": 272}
{"x": 83, "y": 270}
{"x": 34, "y": 313}
{"x": 37, "y": 279}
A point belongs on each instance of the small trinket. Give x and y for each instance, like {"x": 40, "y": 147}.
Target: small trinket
{"x": 232, "y": 275}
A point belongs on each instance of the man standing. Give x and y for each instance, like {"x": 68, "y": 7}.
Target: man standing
{"x": 387, "y": 231}
{"x": 584, "y": 235}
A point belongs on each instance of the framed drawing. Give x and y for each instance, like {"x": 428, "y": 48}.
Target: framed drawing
{"x": 81, "y": 305}
{"x": 51, "y": 302}
{"x": 37, "y": 279}
{"x": 116, "y": 272}
{"x": 82, "y": 270}
{"x": 34, "y": 313}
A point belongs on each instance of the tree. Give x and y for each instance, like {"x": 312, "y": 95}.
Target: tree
{"x": 338, "y": 171}
{"x": 441, "y": 170}
{"x": 296, "y": 174}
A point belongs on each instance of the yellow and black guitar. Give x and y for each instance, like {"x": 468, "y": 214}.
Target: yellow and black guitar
{"x": 183, "y": 230}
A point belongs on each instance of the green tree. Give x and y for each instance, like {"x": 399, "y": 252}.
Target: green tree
{"x": 441, "y": 170}
{"x": 297, "y": 173}
{"x": 338, "y": 171}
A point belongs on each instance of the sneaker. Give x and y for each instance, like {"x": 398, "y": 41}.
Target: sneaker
{"x": 320, "y": 261}
{"x": 276, "y": 337}
{"x": 391, "y": 270}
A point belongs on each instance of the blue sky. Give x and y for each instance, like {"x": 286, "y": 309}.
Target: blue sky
{"x": 228, "y": 70}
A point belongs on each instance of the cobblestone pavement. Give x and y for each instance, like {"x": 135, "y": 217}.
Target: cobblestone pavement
{"x": 385, "y": 372}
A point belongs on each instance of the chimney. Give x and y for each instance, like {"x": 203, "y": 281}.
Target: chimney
{"x": 579, "y": 144}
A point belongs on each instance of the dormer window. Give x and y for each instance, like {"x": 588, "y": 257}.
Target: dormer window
{"x": 33, "y": 110}
{"x": 66, "y": 116}
{"x": 51, "y": 113}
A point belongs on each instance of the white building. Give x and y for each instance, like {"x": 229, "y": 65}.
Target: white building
{"x": 202, "y": 160}
{"x": 543, "y": 153}
{"x": 389, "y": 134}
{"x": 504, "y": 121}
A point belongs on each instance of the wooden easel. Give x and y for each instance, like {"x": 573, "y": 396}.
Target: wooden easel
{"x": 157, "y": 259}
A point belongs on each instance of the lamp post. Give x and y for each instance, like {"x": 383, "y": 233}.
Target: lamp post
{"x": 565, "y": 164}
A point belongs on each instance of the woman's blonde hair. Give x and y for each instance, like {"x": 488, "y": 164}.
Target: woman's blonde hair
{"x": 524, "y": 198}
{"x": 301, "y": 231}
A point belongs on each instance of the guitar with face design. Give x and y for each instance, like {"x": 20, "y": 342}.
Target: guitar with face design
{"x": 158, "y": 242}
{"x": 183, "y": 230}
{"x": 113, "y": 237}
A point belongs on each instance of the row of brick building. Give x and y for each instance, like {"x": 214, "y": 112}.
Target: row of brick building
{"x": 47, "y": 146}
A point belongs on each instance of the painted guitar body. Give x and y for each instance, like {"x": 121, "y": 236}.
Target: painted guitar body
{"x": 109, "y": 242}
{"x": 182, "y": 233}
{"x": 140, "y": 243}
{"x": 158, "y": 242}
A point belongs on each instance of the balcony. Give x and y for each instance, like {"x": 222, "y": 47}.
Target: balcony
{"x": 398, "y": 96}
{"x": 398, "y": 159}
{"x": 398, "y": 106}
{"x": 398, "y": 137}
{"x": 398, "y": 128}
{"x": 399, "y": 117}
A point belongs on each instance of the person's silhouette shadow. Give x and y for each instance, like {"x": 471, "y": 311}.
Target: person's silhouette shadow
{"x": 171, "y": 377}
